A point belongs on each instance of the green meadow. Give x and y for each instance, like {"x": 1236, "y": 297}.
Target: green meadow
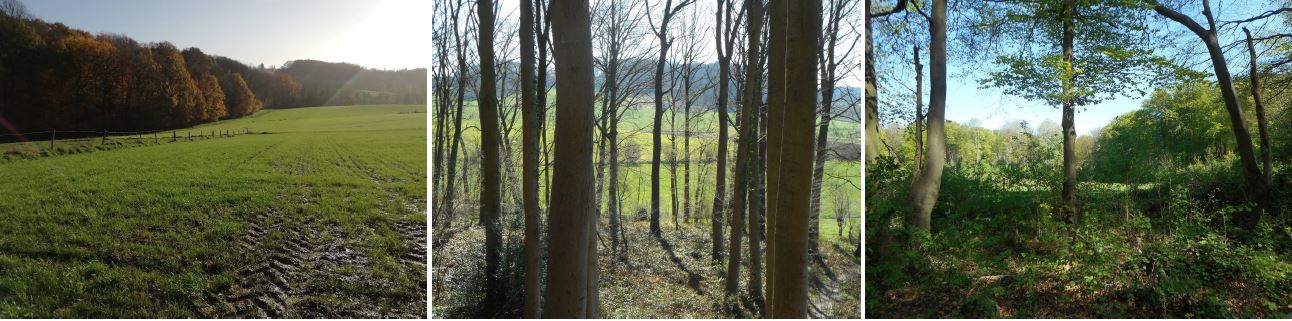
{"x": 311, "y": 212}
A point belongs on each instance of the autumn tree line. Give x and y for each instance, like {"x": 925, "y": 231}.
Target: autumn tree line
{"x": 53, "y": 77}
{"x": 1073, "y": 55}
{"x": 587, "y": 64}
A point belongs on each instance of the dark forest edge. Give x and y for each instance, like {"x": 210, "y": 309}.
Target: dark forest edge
{"x": 53, "y": 77}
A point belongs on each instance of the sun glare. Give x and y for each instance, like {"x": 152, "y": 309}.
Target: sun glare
{"x": 394, "y": 35}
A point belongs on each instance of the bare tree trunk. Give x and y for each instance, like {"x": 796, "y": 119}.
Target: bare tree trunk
{"x": 924, "y": 191}
{"x": 594, "y": 282}
{"x": 447, "y": 205}
{"x": 529, "y": 148}
{"x": 541, "y": 30}
{"x": 775, "y": 105}
{"x": 672, "y": 163}
{"x": 758, "y": 213}
{"x": 822, "y": 137}
{"x": 467, "y": 156}
{"x": 490, "y": 194}
{"x": 793, "y": 122}
{"x": 686, "y": 148}
{"x": 1251, "y": 172}
{"x": 755, "y": 236}
{"x": 919, "y": 111}
{"x": 616, "y": 223}
{"x": 441, "y": 77}
{"x": 1266, "y": 158}
{"x": 724, "y": 66}
{"x": 872, "y": 99}
{"x": 567, "y": 294}
{"x": 1069, "y": 116}
{"x": 744, "y": 147}
{"x": 604, "y": 156}
{"x": 664, "y": 43}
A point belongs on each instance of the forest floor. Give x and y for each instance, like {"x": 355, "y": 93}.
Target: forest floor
{"x": 672, "y": 276}
{"x": 320, "y": 213}
{"x": 997, "y": 251}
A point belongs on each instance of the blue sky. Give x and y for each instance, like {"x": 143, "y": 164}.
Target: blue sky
{"x": 966, "y": 102}
{"x": 388, "y": 34}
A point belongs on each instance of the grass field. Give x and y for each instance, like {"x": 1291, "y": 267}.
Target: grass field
{"x": 319, "y": 213}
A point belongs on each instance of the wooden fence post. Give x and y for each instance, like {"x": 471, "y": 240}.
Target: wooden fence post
{"x": 52, "y": 135}
{"x": 154, "y": 137}
{"x": 173, "y": 137}
{"x": 105, "y": 137}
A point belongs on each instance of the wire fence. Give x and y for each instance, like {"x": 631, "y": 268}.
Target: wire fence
{"x": 52, "y": 137}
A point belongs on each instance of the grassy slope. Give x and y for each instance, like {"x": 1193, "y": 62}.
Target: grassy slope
{"x": 151, "y": 231}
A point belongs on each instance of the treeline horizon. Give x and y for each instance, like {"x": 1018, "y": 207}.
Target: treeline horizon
{"x": 703, "y": 74}
{"x": 54, "y": 77}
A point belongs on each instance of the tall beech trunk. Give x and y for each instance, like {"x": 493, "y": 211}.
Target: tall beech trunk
{"x": 827, "y": 70}
{"x": 793, "y": 122}
{"x": 686, "y": 146}
{"x": 491, "y": 184}
{"x": 1256, "y": 188}
{"x": 758, "y": 212}
{"x": 755, "y": 231}
{"x": 872, "y": 96}
{"x": 604, "y": 154}
{"x": 567, "y": 294}
{"x": 672, "y": 166}
{"x": 924, "y": 191}
{"x": 1266, "y": 158}
{"x": 745, "y": 146}
{"x": 1069, "y": 116}
{"x": 529, "y": 163}
{"x": 541, "y": 30}
{"x": 656, "y": 134}
{"x": 594, "y": 282}
{"x": 656, "y": 139}
{"x": 724, "y": 74}
{"x": 612, "y": 207}
{"x": 775, "y": 105}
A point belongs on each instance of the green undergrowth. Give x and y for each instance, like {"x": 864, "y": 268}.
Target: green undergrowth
{"x": 998, "y": 249}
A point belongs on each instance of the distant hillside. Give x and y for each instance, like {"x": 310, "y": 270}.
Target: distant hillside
{"x": 508, "y": 72}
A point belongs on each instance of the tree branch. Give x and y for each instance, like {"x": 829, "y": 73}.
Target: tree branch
{"x": 1267, "y": 14}
{"x": 1179, "y": 17}
{"x": 901, "y": 5}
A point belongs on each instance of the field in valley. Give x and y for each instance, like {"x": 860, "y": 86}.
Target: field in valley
{"x": 313, "y": 212}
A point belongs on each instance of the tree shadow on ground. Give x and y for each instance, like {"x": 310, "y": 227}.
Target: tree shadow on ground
{"x": 693, "y": 280}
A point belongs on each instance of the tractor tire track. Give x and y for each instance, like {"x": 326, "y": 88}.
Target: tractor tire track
{"x": 268, "y": 288}
{"x": 413, "y": 234}
{"x": 415, "y": 239}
